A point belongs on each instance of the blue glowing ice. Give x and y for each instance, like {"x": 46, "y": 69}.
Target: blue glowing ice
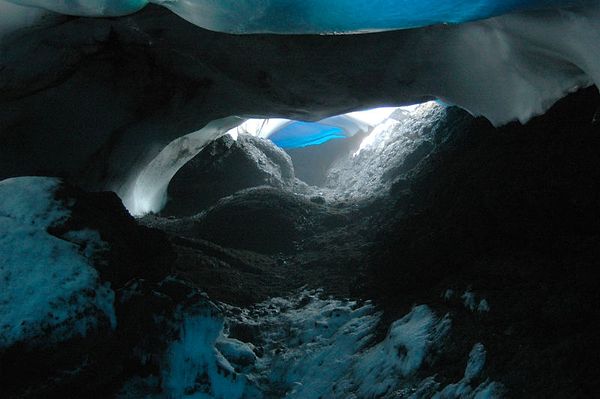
{"x": 303, "y": 134}
{"x": 307, "y": 16}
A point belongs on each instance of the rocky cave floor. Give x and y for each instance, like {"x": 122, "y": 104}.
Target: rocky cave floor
{"x": 334, "y": 259}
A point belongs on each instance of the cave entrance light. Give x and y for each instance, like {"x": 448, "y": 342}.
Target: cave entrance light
{"x": 290, "y": 134}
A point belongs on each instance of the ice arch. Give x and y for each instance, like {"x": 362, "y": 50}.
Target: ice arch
{"x": 146, "y": 190}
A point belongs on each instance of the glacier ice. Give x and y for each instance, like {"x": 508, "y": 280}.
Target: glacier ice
{"x": 287, "y": 133}
{"x": 48, "y": 287}
{"x": 146, "y": 190}
{"x": 341, "y": 16}
{"x": 306, "y": 16}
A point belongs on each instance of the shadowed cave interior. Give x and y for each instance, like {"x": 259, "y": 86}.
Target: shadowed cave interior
{"x": 192, "y": 214}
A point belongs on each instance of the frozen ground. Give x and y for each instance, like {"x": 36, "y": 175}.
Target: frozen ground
{"x": 307, "y": 346}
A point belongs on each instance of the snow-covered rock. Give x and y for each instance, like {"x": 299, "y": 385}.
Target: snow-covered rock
{"x": 67, "y": 325}
{"x": 224, "y": 167}
{"x": 315, "y": 347}
{"x": 389, "y": 152}
{"x": 186, "y": 351}
{"x": 50, "y": 290}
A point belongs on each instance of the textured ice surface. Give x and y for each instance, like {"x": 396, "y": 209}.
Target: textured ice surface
{"x": 48, "y": 286}
{"x": 341, "y": 16}
{"x": 306, "y": 16}
{"x": 147, "y": 189}
{"x": 303, "y": 134}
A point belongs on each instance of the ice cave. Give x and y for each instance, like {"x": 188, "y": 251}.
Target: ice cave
{"x": 343, "y": 199}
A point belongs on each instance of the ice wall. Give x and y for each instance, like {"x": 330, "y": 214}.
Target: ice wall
{"x": 341, "y": 16}
{"x": 307, "y": 16}
{"x": 146, "y": 190}
{"x": 14, "y": 17}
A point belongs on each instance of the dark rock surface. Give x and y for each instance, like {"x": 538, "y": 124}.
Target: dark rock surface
{"x": 262, "y": 219}
{"x": 224, "y": 167}
{"x": 513, "y": 215}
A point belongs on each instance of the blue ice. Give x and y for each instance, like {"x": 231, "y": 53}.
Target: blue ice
{"x": 303, "y": 134}
{"x": 307, "y": 16}
{"x": 343, "y": 16}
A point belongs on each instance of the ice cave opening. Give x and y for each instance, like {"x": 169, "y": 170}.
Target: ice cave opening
{"x": 315, "y": 148}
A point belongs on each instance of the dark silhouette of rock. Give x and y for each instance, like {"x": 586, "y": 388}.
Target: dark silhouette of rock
{"x": 224, "y": 167}
{"x": 265, "y": 220}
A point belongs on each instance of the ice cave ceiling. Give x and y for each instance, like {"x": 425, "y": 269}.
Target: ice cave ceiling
{"x": 96, "y": 99}
{"x": 306, "y": 16}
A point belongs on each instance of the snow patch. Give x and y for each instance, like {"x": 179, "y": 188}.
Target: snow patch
{"x": 312, "y": 344}
{"x": 477, "y": 358}
{"x": 48, "y": 286}
{"x": 401, "y": 353}
{"x": 483, "y": 306}
{"x": 307, "y": 347}
{"x": 467, "y": 387}
{"x": 194, "y": 368}
{"x": 318, "y": 347}
{"x": 470, "y": 302}
{"x": 448, "y": 294}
